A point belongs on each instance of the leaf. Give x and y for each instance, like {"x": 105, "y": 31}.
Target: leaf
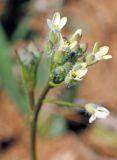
{"x": 7, "y": 79}
{"x": 22, "y": 30}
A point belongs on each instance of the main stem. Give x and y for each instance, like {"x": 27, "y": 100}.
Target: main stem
{"x": 35, "y": 120}
{"x": 31, "y": 99}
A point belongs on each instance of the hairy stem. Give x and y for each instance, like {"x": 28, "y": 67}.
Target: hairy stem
{"x": 35, "y": 120}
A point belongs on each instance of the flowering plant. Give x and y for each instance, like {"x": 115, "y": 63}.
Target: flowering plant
{"x": 69, "y": 63}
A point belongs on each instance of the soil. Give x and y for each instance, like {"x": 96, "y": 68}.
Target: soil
{"x": 15, "y": 140}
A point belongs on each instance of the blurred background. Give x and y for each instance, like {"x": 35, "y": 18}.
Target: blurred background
{"x": 63, "y": 134}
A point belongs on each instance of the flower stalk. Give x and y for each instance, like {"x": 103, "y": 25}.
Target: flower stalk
{"x": 64, "y": 103}
{"x": 35, "y": 120}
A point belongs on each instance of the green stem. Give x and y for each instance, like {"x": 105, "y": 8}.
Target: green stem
{"x": 31, "y": 99}
{"x": 35, "y": 120}
{"x": 56, "y": 85}
{"x": 63, "y": 103}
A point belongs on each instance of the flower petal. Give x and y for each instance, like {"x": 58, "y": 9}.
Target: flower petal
{"x": 90, "y": 108}
{"x": 104, "y": 50}
{"x": 107, "y": 56}
{"x": 49, "y": 22}
{"x": 101, "y": 112}
{"x": 78, "y": 79}
{"x": 78, "y": 32}
{"x": 56, "y": 19}
{"x": 62, "y": 23}
{"x": 83, "y": 64}
{"x": 92, "y": 118}
{"x": 80, "y": 73}
{"x": 72, "y": 45}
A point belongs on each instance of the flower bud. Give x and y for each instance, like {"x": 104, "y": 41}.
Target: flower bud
{"x": 49, "y": 48}
{"x": 59, "y": 57}
{"x": 76, "y": 36}
{"x": 29, "y": 58}
{"x": 59, "y": 74}
{"x": 67, "y": 66}
{"x": 53, "y": 37}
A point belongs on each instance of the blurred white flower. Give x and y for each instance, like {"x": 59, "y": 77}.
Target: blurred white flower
{"x": 101, "y": 53}
{"x": 96, "y": 111}
{"x": 57, "y": 23}
{"x": 29, "y": 56}
{"x": 78, "y": 71}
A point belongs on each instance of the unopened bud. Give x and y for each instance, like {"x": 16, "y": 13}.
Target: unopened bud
{"x": 59, "y": 74}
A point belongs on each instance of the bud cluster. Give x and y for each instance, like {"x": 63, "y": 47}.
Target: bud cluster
{"x": 69, "y": 62}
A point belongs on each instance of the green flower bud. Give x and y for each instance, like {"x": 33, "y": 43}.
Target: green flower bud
{"x": 59, "y": 74}
{"x": 29, "y": 76}
{"x": 59, "y": 57}
{"x": 53, "y": 37}
{"x": 49, "y": 47}
{"x": 29, "y": 58}
{"x": 76, "y": 36}
{"x": 67, "y": 66}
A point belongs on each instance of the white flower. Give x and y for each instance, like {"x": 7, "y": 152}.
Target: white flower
{"x": 65, "y": 45}
{"x": 96, "y": 111}
{"x": 101, "y": 53}
{"x": 76, "y": 74}
{"x": 72, "y": 42}
{"x": 57, "y": 23}
{"x": 78, "y": 71}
